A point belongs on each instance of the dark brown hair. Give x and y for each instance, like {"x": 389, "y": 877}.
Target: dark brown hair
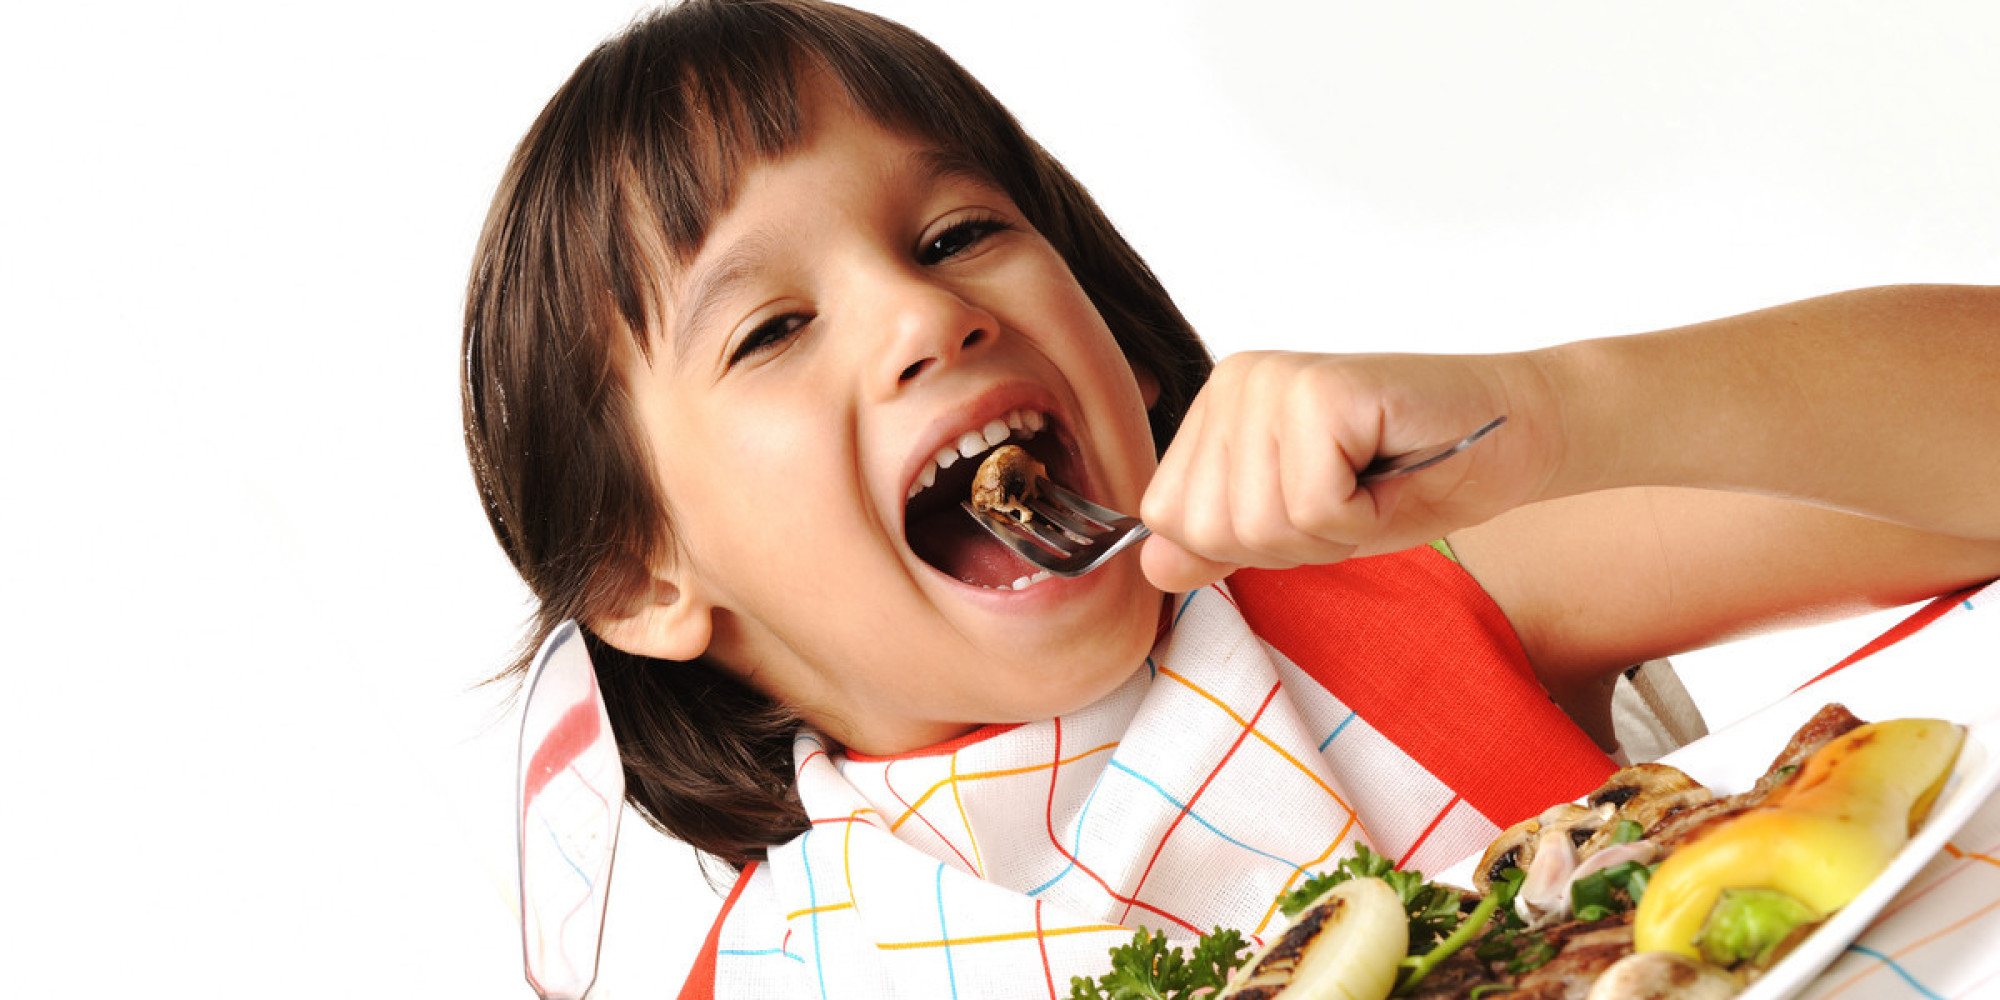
{"x": 622, "y": 173}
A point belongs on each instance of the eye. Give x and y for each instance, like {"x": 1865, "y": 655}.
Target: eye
{"x": 960, "y": 237}
{"x": 769, "y": 334}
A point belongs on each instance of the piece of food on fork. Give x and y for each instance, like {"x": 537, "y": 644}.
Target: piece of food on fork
{"x": 1006, "y": 482}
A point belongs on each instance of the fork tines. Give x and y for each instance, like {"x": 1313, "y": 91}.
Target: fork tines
{"x": 1061, "y": 536}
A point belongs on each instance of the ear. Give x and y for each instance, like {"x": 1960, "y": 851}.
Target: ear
{"x": 1149, "y": 384}
{"x": 670, "y": 621}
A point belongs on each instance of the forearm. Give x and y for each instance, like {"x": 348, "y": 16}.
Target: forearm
{"x": 1884, "y": 402}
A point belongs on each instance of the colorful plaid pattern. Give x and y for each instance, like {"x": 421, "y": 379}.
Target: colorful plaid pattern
{"x": 1940, "y": 937}
{"x": 1005, "y": 863}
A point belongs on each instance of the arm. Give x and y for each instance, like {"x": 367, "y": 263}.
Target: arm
{"x": 1843, "y": 454}
{"x": 1650, "y": 494}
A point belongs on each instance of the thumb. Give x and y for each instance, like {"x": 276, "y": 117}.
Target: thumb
{"x": 1175, "y": 569}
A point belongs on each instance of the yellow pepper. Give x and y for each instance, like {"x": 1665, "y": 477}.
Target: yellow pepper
{"x": 1819, "y": 839}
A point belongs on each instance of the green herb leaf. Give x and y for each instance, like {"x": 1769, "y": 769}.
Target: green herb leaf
{"x": 1150, "y": 969}
{"x": 1612, "y": 890}
{"x": 1364, "y": 864}
{"x": 1433, "y": 909}
{"x": 1520, "y": 951}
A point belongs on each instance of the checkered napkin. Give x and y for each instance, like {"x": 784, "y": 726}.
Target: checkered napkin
{"x": 1004, "y": 863}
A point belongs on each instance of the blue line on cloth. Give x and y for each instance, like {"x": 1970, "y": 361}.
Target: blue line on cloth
{"x": 1191, "y": 814}
{"x": 578, "y": 869}
{"x": 1336, "y": 731}
{"x": 1076, "y": 842}
{"x": 760, "y": 953}
{"x": 1897, "y": 969}
{"x": 812, "y": 900}
{"x": 944, "y": 934}
{"x": 1178, "y": 612}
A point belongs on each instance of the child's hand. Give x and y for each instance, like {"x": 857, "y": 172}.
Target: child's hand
{"x": 1262, "y": 472}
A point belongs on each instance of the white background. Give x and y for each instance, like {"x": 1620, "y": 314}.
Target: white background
{"x": 249, "y": 594}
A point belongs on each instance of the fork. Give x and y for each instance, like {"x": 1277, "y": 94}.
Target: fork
{"x": 1080, "y": 536}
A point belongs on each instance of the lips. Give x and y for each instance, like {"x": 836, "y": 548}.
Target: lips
{"x": 943, "y": 535}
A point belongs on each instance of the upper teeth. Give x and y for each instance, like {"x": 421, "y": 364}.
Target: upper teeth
{"x": 1021, "y": 424}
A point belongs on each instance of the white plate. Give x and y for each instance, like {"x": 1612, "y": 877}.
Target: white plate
{"x": 1730, "y": 761}
{"x": 1972, "y": 780}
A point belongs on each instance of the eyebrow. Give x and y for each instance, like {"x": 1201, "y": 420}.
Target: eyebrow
{"x": 712, "y": 284}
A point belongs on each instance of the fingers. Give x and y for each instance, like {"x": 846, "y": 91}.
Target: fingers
{"x": 1258, "y": 476}
{"x": 1175, "y": 569}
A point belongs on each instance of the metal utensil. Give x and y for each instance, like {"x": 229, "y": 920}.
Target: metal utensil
{"x": 571, "y": 787}
{"x": 1070, "y": 536}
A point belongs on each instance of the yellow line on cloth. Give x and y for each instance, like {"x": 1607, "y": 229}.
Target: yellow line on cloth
{"x": 979, "y": 775}
{"x": 1338, "y": 839}
{"x": 978, "y": 863}
{"x": 828, "y": 908}
{"x": 997, "y": 938}
{"x": 1266, "y": 740}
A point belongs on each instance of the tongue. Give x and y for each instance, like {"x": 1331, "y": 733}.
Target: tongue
{"x": 948, "y": 539}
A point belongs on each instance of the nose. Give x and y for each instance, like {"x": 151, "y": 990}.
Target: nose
{"x": 930, "y": 327}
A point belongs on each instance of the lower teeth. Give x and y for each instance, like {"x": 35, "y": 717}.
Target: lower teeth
{"x": 1028, "y": 581}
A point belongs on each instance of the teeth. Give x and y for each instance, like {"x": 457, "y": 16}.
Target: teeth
{"x": 1029, "y": 581}
{"x": 1017, "y": 424}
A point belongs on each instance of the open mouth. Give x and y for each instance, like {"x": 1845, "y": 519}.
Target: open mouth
{"x": 939, "y": 530}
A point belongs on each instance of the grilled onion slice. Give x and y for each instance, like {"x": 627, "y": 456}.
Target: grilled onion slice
{"x": 1345, "y": 946}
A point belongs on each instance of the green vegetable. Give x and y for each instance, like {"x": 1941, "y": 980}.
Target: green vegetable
{"x": 1416, "y": 967}
{"x": 1507, "y": 941}
{"x": 1149, "y": 969}
{"x": 1433, "y": 909}
{"x": 1612, "y": 890}
{"x": 1750, "y": 924}
{"x": 1626, "y": 831}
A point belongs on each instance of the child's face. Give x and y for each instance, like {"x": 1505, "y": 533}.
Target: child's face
{"x": 860, "y": 307}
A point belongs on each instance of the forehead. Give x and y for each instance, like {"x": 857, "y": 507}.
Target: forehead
{"x": 839, "y": 150}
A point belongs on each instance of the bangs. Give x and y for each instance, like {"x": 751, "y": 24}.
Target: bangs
{"x": 691, "y": 96}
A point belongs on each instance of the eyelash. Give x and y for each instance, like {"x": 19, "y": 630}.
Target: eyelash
{"x": 970, "y": 230}
{"x": 956, "y": 239}
{"x": 768, "y": 334}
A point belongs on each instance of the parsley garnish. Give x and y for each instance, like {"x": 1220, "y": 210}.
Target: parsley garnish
{"x": 1433, "y": 909}
{"x": 1149, "y": 969}
{"x": 1612, "y": 890}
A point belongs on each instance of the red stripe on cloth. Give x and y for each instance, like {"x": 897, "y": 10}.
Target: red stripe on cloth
{"x": 1049, "y": 822}
{"x": 1898, "y": 632}
{"x": 1411, "y": 643}
{"x": 700, "y": 984}
{"x": 953, "y": 745}
{"x": 1429, "y": 828}
{"x": 1188, "y": 806}
{"x": 1048, "y": 972}
{"x": 910, "y": 810}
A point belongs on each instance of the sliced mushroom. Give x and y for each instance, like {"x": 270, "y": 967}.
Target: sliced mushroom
{"x": 1517, "y": 846}
{"x": 1643, "y": 794}
{"x": 1006, "y": 481}
{"x": 1663, "y": 975}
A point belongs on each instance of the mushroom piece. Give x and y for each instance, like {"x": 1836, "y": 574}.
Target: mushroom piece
{"x": 1517, "y": 846}
{"x": 1663, "y": 975}
{"x": 1643, "y": 794}
{"x": 1006, "y": 482}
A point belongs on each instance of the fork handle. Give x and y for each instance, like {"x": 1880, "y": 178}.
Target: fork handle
{"x": 1392, "y": 466}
